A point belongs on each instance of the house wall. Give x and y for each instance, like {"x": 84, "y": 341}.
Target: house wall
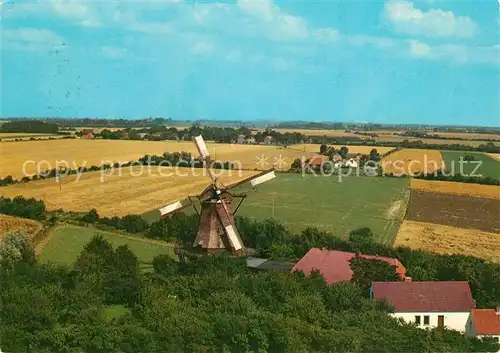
{"x": 454, "y": 321}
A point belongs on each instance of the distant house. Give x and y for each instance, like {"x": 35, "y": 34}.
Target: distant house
{"x": 334, "y": 265}
{"x": 88, "y": 136}
{"x": 268, "y": 140}
{"x": 240, "y": 139}
{"x": 428, "y": 304}
{"x": 316, "y": 161}
{"x": 87, "y": 131}
{"x": 351, "y": 163}
{"x": 484, "y": 323}
{"x": 337, "y": 158}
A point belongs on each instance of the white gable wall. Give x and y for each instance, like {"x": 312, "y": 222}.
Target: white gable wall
{"x": 455, "y": 321}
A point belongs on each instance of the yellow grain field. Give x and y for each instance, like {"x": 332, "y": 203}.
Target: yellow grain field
{"x": 18, "y": 158}
{"x": 411, "y": 161}
{"x": 430, "y": 141}
{"x": 11, "y": 224}
{"x": 22, "y": 134}
{"x": 449, "y": 240}
{"x": 113, "y": 194}
{"x": 494, "y": 156}
{"x": 451, "y": 187}
{"x": 310, "y": 147}
{"x": 467, "y": 135}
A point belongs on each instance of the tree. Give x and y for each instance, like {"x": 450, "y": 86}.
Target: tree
{"x": 343, "y": 152}
{"x": 91, "y": 217}
{"x": 361, "y": 235}
{"x": 374, "y": 155}
{"x": 366, "y": 271}
{"x": 16, "y": 247}
{"x": 323, "y": 149}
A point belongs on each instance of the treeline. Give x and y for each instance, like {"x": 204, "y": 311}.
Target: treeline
{"x": 273, "y": 240}
{"x": 129, "y": 223}
{"x": 27, "y": 126}
{"x": 21, "y": 207}
{"x": 440, "y": 175}
{"x": 104, "y": 303}
{"x": 423, "y": 134}
{"x": 489, "y": 147}
{"x": 209, "y": 133}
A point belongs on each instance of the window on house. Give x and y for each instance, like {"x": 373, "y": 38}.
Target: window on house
{"x": 417, "y": 320}
{"x": 426, "y": 320}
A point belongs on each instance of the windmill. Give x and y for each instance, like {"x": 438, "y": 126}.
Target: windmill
{"x": 217, "y": 231}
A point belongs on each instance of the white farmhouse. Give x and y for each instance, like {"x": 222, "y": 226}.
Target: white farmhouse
{"x": 428, "y": 304}
{"x": 484, "y": 323}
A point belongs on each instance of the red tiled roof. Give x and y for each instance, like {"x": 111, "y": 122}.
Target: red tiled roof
{"x": 317, "y": 160}
{"x": 334, "y": 265}
{"x": 425, "y": 296}
{"x": 486, "y": 321}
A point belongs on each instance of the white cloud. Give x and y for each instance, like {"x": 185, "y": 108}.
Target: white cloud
{"x": 279, "y": 25}
{"x": 406, "y": 18}
{"x": 31, "y": 39}
{"x": 78, "y": 11}
{"x": 452, "y": 52}
{"x": 419, "y": 49}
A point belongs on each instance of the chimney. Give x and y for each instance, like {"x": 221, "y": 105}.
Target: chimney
{"x": 497, "y": 310}
{"x": 407, "y": 279}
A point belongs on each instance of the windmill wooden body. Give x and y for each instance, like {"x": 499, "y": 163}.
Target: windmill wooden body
{"x": 217, "y": 230}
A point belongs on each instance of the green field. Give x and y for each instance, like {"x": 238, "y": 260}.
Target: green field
{"x": 489, "y": 166}
{"x": 66, "y": 242}
{"x": 303, "y": 201}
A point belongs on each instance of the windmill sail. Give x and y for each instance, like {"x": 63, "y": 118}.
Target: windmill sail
{"x": 263, "y": 178}
{"x": 256, "y": 179}
{"x": 201, "y": 146}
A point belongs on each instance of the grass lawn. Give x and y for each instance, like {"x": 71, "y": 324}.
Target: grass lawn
{"x": 66, "y": 242}
{"x": 489, "y": 166}
{"x": 339, "y": 207}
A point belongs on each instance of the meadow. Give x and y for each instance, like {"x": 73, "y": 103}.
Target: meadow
{"x": 489, "y": 166}
{"x": 445, "y": 239}
{"x": 115, "y": 194}
{"x": 309, "y": 201}
{"x": 80, "y": 152}
{"x": 64, "y": 244}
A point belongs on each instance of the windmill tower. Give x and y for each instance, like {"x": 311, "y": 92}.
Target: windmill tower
{"x": 217, "y": 230}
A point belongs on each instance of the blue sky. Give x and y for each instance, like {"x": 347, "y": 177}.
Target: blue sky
{"x": 432, "y": 62}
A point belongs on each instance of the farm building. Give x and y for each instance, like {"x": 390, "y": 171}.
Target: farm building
{"x": 334, "y": 265}
{"x": 484, "y": 323}
{"x": 240, "y": 139}
{"x": 88, "y": 136}
{"x": 316, "y": 161}
{"x": 268, "y": 140}
{"x": 428, "y": 304}
{"x": 259, "y": 264}
{"x": 250, "y": 141}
